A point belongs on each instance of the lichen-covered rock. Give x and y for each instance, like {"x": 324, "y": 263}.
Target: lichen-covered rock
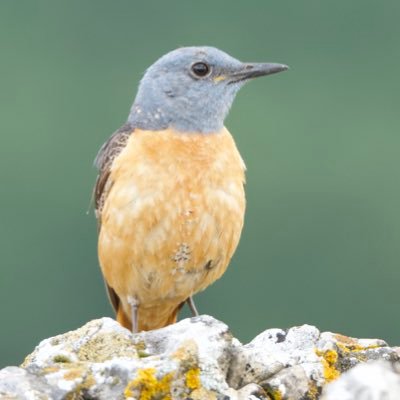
{"x": 195, "y": 359}
{"x": 97, "y": 341}
{"x": 375, "y": 380}
{"x": 16, "y": 384}
{"x": 105, "y": 361}
{"x": 297, "y": 363}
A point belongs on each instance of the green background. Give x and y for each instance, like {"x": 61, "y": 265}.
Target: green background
{"x": 321, "y": 143}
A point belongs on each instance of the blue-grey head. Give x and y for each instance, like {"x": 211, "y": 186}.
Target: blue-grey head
{"x": 191, "y": 89}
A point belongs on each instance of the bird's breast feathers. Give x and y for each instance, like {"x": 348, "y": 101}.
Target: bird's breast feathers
{"x": 173, "y": 213}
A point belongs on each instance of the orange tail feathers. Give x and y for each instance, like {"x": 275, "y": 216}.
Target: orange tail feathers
{"x": 150, "y": 318}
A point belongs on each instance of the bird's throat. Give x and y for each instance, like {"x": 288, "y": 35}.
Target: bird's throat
{"x": 153, "y": 118}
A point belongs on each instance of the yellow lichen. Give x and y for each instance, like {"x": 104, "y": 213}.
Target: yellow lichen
{"x": 355, "y": 348}
{"x": 275, "y": 394}
{"x": 193, "y": 378}
{"x": 347, "y": 345}
{"x": 146, "y": 386}
{"x": 351, "y": 345}
{"x": 329, "y": 359}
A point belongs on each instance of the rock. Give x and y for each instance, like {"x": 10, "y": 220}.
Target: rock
{"x": 375, "y": 380}
{"x": 16, "y": 383}
{"x": 297, "y": 363}
{"x": 195, "y": 359}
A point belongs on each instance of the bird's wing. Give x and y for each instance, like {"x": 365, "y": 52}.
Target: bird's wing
{"x": 103, "y": 161}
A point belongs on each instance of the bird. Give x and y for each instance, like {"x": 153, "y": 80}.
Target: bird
{"x": 169, "y": 195}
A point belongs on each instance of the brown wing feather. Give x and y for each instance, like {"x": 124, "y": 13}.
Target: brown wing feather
{"x": 112, "y": 296}
{"x": 103, "y": 161}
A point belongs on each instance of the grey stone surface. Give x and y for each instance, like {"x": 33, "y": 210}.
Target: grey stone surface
{"x": 374, "y": 380}
{"x": 297, "y": 363}
{"x": 16, "y": 383}
{"x": 196, "y": 358}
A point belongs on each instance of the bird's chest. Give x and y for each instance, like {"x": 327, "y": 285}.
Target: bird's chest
{"x": 176, "y": 202}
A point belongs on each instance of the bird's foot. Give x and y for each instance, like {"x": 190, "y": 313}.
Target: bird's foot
{"x": 134, "y": 303}
{"x": 192, "y": 306}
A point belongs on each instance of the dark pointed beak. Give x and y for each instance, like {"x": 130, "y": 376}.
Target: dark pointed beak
{"x": 250, "y": 71}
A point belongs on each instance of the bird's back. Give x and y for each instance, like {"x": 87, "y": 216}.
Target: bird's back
{"x": 171, "y": 212}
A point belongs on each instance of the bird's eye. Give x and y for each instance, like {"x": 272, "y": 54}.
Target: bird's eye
{"x": 201, "y": 69}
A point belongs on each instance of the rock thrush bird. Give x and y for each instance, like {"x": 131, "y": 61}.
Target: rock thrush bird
{"x": 169, "y": 196}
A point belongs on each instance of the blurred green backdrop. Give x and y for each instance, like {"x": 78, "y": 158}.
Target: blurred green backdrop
{"x": 321, "y": 143}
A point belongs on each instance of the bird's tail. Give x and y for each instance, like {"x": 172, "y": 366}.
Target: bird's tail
{"x": 151, "y": 317}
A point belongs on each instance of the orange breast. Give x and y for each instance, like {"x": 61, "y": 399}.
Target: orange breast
{"x": 173, "y": 215}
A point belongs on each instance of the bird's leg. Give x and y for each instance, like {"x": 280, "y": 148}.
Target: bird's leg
{"x": 192, "y": 306}
{"x": 134, "y": 303}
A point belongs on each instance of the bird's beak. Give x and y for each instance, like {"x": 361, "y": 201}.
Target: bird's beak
{"x": 250, "y": 71}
